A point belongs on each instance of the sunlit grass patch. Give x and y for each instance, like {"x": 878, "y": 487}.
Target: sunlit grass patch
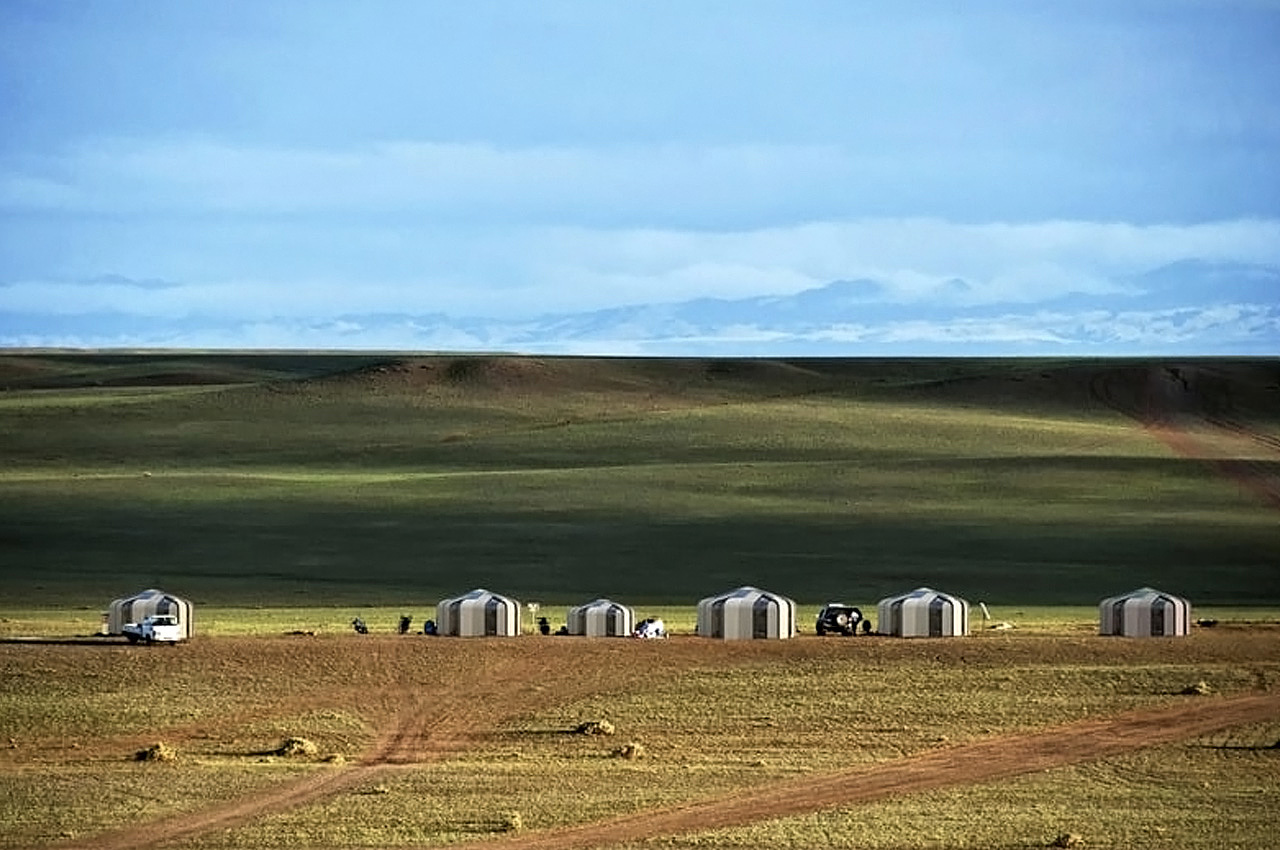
{"x": 43, "y": 805}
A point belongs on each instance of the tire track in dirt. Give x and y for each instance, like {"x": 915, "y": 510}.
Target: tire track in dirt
{"x": 422, "y": 728}
{"x": 406, "y": 742}
{"x": 983, "y": 761}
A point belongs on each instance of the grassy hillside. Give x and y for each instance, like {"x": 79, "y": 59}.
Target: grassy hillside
{"x": 315, "y": 479}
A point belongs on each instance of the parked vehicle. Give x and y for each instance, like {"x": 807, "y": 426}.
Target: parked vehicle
{"x": 651, "y": 627}
{"x": 838, "y": 618}
{"x": 158, "y": 628}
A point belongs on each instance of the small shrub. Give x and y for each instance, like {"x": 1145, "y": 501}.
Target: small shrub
{"x": 295, "y": 748}
{"x": 156, "y": 752}
{"x": 595, "y": 727}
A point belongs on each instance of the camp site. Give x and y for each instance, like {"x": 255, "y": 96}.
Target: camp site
{"x": 1064, "y": 573}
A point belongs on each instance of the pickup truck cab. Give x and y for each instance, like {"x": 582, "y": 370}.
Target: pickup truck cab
{"x": 158, "y": 628}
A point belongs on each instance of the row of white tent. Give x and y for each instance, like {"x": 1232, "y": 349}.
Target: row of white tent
{"x": 741, "y": 614}
{"x": 744, "y": 613}
{"x": 747, "y": 613}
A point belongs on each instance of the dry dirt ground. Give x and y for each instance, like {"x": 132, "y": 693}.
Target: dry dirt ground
{"x": 496, "y": 681}
{"x": 952, "y": 766}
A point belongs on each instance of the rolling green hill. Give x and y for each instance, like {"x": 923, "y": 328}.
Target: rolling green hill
{"x": 368, "y": 479}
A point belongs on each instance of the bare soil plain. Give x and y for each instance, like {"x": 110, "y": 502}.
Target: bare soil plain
{"x": 345, "y": 483}
{"x": 423, "y": 742}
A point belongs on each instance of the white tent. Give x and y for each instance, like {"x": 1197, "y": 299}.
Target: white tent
{"x": 923, "y": 612}
{"x": 477, "y": 614}
{"x": 601, "y": 618}
{"x": 747, "y": 613}
{"x": 132, "y": 609}
{"x": 1144, "y": 612}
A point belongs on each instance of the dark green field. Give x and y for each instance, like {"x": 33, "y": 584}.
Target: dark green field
{"x": 317, "y": 479}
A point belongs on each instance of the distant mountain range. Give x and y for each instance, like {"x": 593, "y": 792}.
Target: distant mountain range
{"x": 1195, "y": 306}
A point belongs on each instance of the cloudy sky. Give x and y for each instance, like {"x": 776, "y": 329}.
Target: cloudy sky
{"x": 312, "y": 173}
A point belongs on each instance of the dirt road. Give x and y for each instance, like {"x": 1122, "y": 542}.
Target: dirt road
{"x": 420, "y": 728}
{"x": 422, "y": 731}
{"x": 984, "y": 761}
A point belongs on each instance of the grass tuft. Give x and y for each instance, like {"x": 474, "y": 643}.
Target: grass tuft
{"x": 159, "y": 751}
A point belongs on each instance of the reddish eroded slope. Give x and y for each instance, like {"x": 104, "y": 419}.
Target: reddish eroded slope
{"x": 1206, "y": 413}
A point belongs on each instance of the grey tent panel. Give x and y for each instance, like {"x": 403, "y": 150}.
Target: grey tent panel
{"x": 148, "y": 603}
{"x": 1144, "y": 612}
{"x": 924, "y": 612}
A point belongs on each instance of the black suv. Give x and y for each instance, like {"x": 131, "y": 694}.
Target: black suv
{"x": 841, "y": 619}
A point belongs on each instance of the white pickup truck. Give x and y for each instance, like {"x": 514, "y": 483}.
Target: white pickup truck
{"x": 158, "y": 628}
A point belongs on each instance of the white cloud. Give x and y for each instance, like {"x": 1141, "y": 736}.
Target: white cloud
{"x": 660, "y": 184}
{"x": 508, "y": 230}
{"x": 450, "y": 180}
{"x": 253, "y": 270}
{"x": 238, "y": 300}
{"x": 1250, "y": 329}
{"x": 1230, "y": 327}
{"x": 915, "y": 258}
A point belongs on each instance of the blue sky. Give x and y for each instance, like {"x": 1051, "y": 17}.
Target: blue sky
{"x": 309, "y": 173}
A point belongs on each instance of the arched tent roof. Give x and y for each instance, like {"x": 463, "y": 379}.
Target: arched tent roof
{"x": 133, "y": 609}
{"x": 1144, "y": 612}
{"x": 923, "y": 612}
{"x": 746, "y": 613}
{"x": 477, "y": 614}
{"x": 601, "y": 618}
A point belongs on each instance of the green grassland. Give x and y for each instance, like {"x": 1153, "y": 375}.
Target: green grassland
{"x": 318, "y": 480}
{"x": 290, "y": 492}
